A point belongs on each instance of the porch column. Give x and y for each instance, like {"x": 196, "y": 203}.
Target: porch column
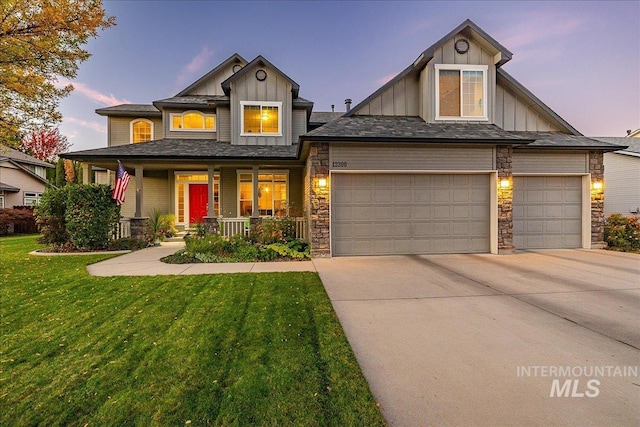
{"x": 256, "y": 188}
{"x": 139, "y": 171}
{"x": 210, "y": 203}
{"x": 86, "y": 173}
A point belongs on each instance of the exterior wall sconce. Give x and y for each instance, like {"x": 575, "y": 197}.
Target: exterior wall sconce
{"x": 322, "y": 182}
{"x": 505, "y": 183}
{"x": 597, "y": 186}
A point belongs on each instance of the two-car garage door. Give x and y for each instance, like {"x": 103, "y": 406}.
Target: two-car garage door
{"x": 409, "y": 213}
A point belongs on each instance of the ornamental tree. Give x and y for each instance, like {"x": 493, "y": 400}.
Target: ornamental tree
{"x": 45, "y": 144}
{"x": 40, "y": 42}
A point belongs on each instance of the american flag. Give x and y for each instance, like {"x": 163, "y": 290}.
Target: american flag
{"x": 122, "y": 181}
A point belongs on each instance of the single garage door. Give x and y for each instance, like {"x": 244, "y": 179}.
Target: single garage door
{"x": 547, "y": 212}
{"x": 393, "y": 213}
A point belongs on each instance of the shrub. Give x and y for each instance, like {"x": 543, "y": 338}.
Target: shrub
{"x": 168, "y": 225}
{"x": 126, "y": 243}
{"x": 90, "y": 216}
{"x": 50, "y": 216}
{"x": 622, "y": 233}
{"x": 272, "y": 230}
{"x": 18, "y": 220}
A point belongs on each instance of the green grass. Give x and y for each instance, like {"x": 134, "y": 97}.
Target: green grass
{"x": 234, "y": 349}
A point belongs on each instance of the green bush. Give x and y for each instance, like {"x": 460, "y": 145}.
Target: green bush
{"x": 272, "y": 230}
{"x": 50, "y": 216}
{"x": 168, "y": 225}
{"x": 90, "y": 216}
{"x": 622, "y": 233}
{"x": 126, "y": 244}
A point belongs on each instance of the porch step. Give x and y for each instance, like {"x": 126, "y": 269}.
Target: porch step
{"x": 178, "y": 237}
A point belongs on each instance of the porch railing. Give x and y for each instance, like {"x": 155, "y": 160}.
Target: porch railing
{"x": 233, "y": 226}
{"x": 122, "y": 229}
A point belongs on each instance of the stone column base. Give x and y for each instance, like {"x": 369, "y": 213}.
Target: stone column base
{"x": 211, "y": 224}
{"x": 140, "y": 228}
{"x": 599, "y": 245}
{"x": 507, "y": 250}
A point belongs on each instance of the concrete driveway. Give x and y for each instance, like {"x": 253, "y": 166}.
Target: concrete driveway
{"x": 532, "y": 338}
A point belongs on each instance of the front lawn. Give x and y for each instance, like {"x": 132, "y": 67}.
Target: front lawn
{"x": 235, "y": 349}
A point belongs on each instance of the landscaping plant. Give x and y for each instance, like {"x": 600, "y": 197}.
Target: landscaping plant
{"x": 622, "y": 233}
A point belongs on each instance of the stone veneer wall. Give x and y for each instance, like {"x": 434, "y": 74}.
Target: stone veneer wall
{"x": 318, "y": 167}
{"x": 596, "y": 169}
{"x": 504, "y": 156}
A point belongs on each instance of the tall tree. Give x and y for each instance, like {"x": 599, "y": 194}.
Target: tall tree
{"x": 45, "y": 144}
{"x": 40, "y": 42}
{"x": 60, "y": 178}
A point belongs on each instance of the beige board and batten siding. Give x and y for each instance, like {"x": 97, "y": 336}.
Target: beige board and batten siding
{"x": 621, "y": 184}
{"x": 274, "y": 88}
{"x": 410, "y": 157}
{"x": 401, "y": 99}
{"x": 212, "y": 86}
{"x": 186, "y": 134}
{"x": 229, "y": 192}
{"x": 299, "y": 125}
{"x": 119, "y": 129}
{"x": 516, "y": 114}
{"x": 446, "y": 54}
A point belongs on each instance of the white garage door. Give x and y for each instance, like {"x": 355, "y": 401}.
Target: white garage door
{"x": 384, "y": 214}
{"x": 547, "y": 212}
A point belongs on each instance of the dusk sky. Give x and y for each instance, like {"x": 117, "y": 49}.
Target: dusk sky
{"x": 581, "y": 58}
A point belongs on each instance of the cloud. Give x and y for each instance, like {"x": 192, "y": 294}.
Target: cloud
{"x": 539, "y": 27}
{"x": 195, "y": 65}
{"x": 100, "y": 128}
{"x": 101, "y": 98}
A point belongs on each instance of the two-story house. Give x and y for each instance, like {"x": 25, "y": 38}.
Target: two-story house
{"x": 451, "y": 155}
{"x": 23, "y": 178}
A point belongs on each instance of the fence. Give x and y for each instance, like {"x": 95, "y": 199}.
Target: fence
{"x": 232, "y": 226}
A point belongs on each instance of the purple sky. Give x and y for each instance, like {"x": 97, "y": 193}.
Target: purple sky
{"x": 582, "y": 58}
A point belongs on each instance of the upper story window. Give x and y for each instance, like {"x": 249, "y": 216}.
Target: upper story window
{"x": 261, "y": 118}
{"x": 141, "y": 130}
{"x": 193, "y": 121}
{"x": 461, "y": 92}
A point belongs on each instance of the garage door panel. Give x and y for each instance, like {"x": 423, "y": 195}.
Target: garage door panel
{"x": 409, "y": 213}
{"x": 547, "y": 212}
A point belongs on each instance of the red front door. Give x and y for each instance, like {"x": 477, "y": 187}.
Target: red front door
{"x": 197, "y": 202}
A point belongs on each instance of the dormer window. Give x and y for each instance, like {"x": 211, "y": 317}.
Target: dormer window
{"x": 193, "y": 121}
{"x": 461, "y": 92}
{"x": 141, "y": 130}
{"x": 261, "y": 118}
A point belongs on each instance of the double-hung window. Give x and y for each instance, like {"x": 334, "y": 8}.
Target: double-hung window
{"x": 461, "y": 92}
{"x": 261, "y": 118}
{"x": 272, "y": 193}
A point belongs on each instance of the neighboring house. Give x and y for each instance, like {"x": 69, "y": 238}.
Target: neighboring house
{"x": 622, "y": 177}
{"x": 23, "y": 178}
{"x": 634, "y": 133}
{"x": 453, "y": 155}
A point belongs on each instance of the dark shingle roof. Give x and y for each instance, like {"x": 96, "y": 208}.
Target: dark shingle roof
{"x": 633, "y": 144}
{"x": 195, "y": 101}
{"x": 554, "y": 140}
{"x": 20, "y": 157}
{"x": 404, "y": 128}
{"x": 9, "y": 188}
{"x": 129, "y": 110}
{"x": 324, "y": 116}
{"x": 187, "y": 149}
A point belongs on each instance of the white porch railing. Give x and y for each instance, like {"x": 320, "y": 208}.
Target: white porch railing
{"x": 122, "y": 229}
{"x": 233, "y": 226}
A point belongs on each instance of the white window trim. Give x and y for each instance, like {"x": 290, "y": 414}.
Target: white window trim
{"x": 462, "y": 67}
{"x": 31, "y": 195}
{"x": 2, "y": 199}
{"x": 260, "y": 172}
{"x": 133, "y": 122}
{"x": 261, "y": 104}
{"x": 204, "y": 116}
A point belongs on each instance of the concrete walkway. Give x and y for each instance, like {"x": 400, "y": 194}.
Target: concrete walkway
{"x": 146, "y": 262}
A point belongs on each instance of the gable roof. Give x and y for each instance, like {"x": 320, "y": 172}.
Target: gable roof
{"x": 469, "y": 28}
{"x": 226, "y": 85}
{"x": 132, "y": 110}
{"x": 8, "y": 153}
{"x": 233, "y": 59}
